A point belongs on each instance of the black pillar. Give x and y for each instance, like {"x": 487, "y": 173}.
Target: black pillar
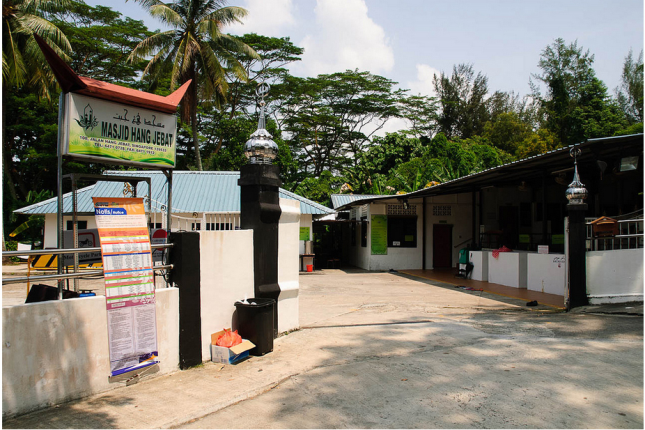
{"x": 260, "y": 212}
{"x": 186, "y": 276}
{"x": 577, "y": 256}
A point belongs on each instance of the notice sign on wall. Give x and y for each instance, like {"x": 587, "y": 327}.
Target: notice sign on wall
{"x": 129, "y": 283}
{"x": 379, "y": 235}
{"x": 99, "y": 129}
{"x": 304, "y": 233}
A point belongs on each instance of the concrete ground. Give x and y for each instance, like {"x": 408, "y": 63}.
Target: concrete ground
{"x": 385, "y": 350}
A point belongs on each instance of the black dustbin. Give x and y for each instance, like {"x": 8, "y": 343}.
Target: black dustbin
{"x": 255, "y": 323}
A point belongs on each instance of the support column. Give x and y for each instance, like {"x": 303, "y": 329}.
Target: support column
{"x": 186, "y": 276}
{"x": 577, "y": 256}
{"x": 260, "y": 212}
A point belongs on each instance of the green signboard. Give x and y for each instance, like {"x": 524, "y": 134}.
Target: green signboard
{"x": 525, "y": 238}
{"x": 304, "y": 233}
{"x": 105, "y": 131}
{"x": 557, "y": 239}
{"x": 379, "y": 235}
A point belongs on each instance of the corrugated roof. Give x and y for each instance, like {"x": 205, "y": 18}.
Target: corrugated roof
{"x": 338, "y": 200}
{"x": 533, "y": 167}
{"x": 207, "y": 192}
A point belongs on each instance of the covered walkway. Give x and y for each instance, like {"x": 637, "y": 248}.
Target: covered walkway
{"x": 447, "y": 276}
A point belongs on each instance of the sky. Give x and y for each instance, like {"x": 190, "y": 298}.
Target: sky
{"x": 409, "y": 41}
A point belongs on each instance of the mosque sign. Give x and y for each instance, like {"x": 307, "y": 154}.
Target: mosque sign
{"x": 105, "y": 131}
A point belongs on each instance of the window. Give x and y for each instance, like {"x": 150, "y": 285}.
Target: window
{"x": 213, "y": 226}
{"x": 442, "y": 210}
{"x": 196, "y": 226}
{"x": 402, "y": 232}
{"x": 155, "y": 226}
{"x": 82, "y": 225}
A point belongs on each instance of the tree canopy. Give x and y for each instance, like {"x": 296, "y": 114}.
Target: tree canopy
{"x": 328, "y": 127}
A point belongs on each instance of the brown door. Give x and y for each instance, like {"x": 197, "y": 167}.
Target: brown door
{"x": 441, "y": 246}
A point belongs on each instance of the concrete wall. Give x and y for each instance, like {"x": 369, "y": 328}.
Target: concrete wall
{"x": 288, "y": 260}
{"x": 359, "y": 256}
{"x": 49, "y": 237}
{"x": 226, "y": 262}
{"x": 460, "y": 219}
{"x": 306, "y": 220}
{"x": 57, "y": 351}
{"x": 508, "y": 269}
{"x": 479, "y": 260}
{"x": 615, "y": 276}
{"x": 396, "y": 258}
{"x": 546, "y": 273}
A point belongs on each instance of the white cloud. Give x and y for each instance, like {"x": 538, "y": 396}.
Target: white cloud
{"x": 268, "y": 18}
{"x": 344, "y": 37}
{"x": 423, "y": 84}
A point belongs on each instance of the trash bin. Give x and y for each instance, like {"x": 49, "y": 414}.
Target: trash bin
{"x": 255, "y": 323}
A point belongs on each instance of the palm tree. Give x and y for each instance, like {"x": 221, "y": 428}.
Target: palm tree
{"x": 23, "y": 63}
{"x": 194, "y": 49}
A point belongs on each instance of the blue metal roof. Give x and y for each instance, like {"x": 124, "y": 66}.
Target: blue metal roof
{"x": 338, "y": 200}
{"x": 192, "y": 191}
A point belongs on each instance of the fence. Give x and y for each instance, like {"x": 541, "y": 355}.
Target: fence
{"x": 630, "y": 236}
{"x": 208, "y": 221}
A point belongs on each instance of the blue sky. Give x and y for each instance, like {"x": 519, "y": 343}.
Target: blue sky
{"x": 410, "y": 40}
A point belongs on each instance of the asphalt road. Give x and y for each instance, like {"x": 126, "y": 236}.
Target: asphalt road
{"x": 403, "y": 353}
{"x": 382, "y": 350}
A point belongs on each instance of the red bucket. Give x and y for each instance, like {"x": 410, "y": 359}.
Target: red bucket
{"x": 310, "y": 267}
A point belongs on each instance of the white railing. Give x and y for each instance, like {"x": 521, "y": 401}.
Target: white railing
{"x": 630, "y": 236}
{"x": 207, "y": 222}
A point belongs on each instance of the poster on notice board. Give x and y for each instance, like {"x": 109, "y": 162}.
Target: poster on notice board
{"x": 129, "y": 283}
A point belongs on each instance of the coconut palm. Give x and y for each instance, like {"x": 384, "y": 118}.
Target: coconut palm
{"x": 195, "y": 48}
{"x": 23, "y": 63}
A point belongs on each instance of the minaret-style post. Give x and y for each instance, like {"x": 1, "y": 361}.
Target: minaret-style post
{"x": 260, "y": 207}
{"x": 576, "y": 194}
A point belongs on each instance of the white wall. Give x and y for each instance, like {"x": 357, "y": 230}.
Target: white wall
{"x": 479, "y": 260}
{"x": 396, "y": 258}
{"x": 50, "y": 236}
{"x": 57, "y": 351}
{"x": 306, "y": 220}
{"x": 288, "y": 261}
{"x": 546, "y": 273}
{"x": 615, "y": 276}
{"x": 226, "y": 264}
{"x": 508, "y": 269}
{"x": 460, "y": 219}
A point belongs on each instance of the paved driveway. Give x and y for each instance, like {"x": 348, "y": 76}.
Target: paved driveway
{"x": 399, "y": 352}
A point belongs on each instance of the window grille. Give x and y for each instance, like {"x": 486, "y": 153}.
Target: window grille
{"x": 353, "y": 213}
{"x": 401, "y": 210}
{"x": 442, "y": 210}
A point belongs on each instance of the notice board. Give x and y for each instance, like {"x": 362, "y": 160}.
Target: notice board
{"x": 379, "y": 235}
{"x": 129, "y": 283}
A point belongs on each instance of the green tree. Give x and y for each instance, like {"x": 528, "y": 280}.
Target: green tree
{"x": 194, "y": 49}
{"x": 630, "y": 91}
{"x": 101, "y": 41}
{"x": 537, "y": 143}
{"x": 462, "y": 98}
{"x": 23, "y": 63}
{"x": 422, "y": 114}
{"x": 331, "y": 118}
{"x": 576, "y": 105}
{"x": 506, "y": 131}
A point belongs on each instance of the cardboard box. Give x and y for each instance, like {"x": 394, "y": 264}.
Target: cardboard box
{"x": 220, "y": 354}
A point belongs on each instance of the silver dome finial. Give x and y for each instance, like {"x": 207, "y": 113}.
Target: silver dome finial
{"x": 260, "y": 148}
{"x": 576, "y": 193}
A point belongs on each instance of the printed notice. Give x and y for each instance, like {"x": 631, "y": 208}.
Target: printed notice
{"x": 129, "y": 282}
{"x": 379, "y": 235}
